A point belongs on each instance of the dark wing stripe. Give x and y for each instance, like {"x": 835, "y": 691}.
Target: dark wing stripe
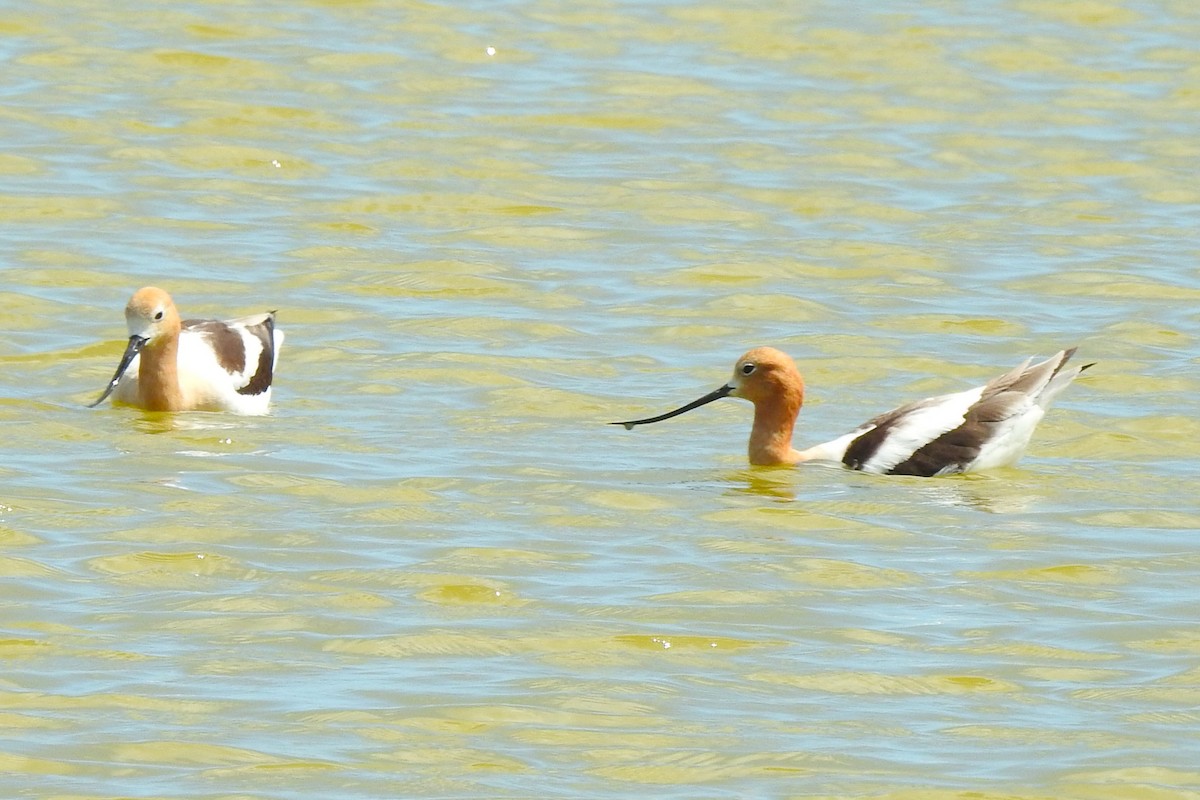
{"x": 955, "y": 449}
{"x": 261, "y": 380}
{"x": 860, "y": 451}
{"x": 226, "y": 343}
{"x": 1002, "y": 397}
{"x": 864, "y": 448}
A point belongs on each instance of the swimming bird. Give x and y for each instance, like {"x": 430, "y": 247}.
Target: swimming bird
{"x": 196, "y": 364}
{"x": 981, "y": 428}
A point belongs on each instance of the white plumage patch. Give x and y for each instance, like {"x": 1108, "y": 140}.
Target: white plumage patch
{"x": 981, "y": 428}
{"x": 220, "y": 366}
{"x": 922, "y": 423}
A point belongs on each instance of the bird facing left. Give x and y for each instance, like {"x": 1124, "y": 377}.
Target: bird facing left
{"x": 172, "y": 364}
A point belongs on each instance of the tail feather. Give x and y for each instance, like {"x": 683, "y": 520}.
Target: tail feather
{"x": 1060, "y": 379}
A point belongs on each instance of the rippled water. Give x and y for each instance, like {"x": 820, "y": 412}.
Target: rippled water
{"x": 433, "y": 572}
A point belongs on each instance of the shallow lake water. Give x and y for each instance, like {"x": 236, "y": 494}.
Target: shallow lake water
{"x": 491, "y": 227}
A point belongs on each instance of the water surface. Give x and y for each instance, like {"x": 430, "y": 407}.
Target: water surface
{"x": 433, "y": 571}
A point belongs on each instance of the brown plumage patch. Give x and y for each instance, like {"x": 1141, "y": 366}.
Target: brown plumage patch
{"x": 864, "y": 448}
{"x": 954, "y": 449}
{"x": 226, "y": 343}
{"x": 230, "y": 349}
{"x": 958, "y": 447}
{"x": 261, "y": 380}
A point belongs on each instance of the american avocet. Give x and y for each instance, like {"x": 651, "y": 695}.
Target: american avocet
{"x": 195, "y": 364}
{"x": 981, "y": 428}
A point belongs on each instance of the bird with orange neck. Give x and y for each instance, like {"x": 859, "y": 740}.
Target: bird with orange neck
{"x": 171, "y": 364}
{"x": 982, "y": 428}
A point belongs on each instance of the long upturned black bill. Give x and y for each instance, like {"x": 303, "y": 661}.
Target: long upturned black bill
{"x": 136, "y": 343}
{"x": 708, "y": 398}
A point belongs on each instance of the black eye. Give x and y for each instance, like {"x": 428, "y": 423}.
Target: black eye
{"x": 747, "y": 369}
{"x": 158, "y": 315}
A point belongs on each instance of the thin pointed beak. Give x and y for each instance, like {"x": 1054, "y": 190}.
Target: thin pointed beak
{"x": 717, "y": 394}
{"x": 136, "y": 343}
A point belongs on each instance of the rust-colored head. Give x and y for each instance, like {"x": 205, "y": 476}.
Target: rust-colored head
{"x": 150, "y": 315}
{"x": 154, "y": 327}
{"x": 765, "y": 375}
{"x": 768, "y": 378}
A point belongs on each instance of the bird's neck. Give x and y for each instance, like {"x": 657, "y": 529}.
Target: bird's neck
{"x": 158, "y": 375}
{"x": 771, "y": 436}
